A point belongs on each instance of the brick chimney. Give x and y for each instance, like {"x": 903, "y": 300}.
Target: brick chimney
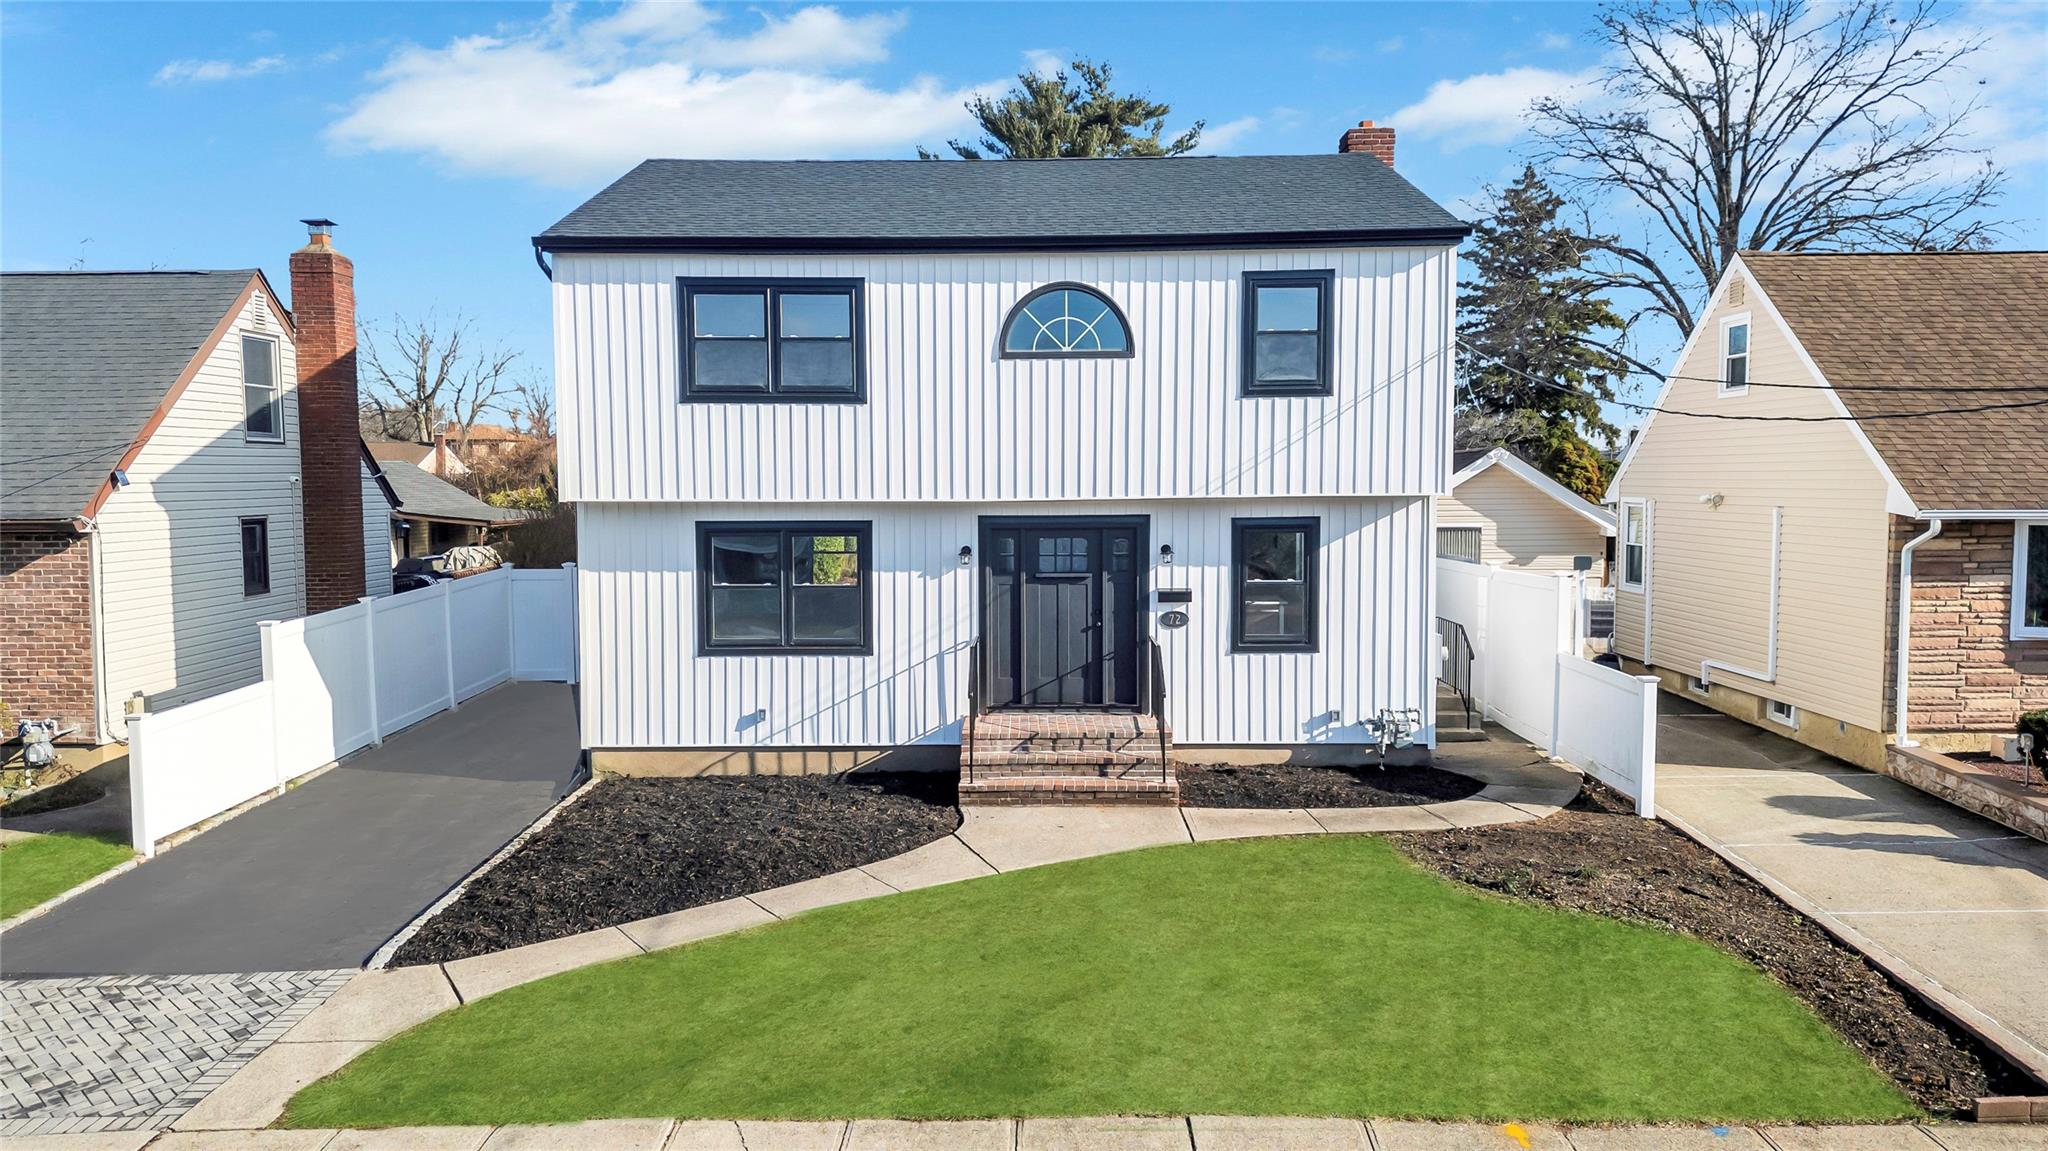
{"x": 330, "y": 460}
{"x": 1370, "y": 140}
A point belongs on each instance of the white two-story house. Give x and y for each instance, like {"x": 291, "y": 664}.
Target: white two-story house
{"x": 1004, "y": 460}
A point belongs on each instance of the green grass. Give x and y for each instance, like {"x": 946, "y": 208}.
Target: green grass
{"x": 35, "y": 869}
{"x": 1302, "y": 976}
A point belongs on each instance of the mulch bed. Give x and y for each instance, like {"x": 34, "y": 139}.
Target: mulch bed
{"x": 1597, "y": 857}
{"x": 632, "y": 848}
{"x": 1293, "y": 785}
{"x": 2016, "y": 772}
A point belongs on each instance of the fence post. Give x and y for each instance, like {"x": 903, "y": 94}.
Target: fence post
{"x": 1556, "y": 703}
{"x": 575, "y": 626}
{"x": 370, "y": 666}
{"x": 511, "y": 627}
{"x": 447, "y": 587}
{"x": 139, "y": 834}
{"x": 1646, "y": 801}
{"x": 266, "y": 633}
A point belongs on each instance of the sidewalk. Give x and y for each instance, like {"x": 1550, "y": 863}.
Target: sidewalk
{"x": 1957, "y": 900}
{"x": 1199, "y": 1133}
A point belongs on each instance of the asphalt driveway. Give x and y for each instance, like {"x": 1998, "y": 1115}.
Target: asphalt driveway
{"x": 1959, "y": 899}
{"x": 320, "y": 877}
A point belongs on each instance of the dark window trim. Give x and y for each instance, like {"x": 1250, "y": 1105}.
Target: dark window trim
{"x": 772, "y": 289}
{"x": 1325, "y": 281}
{"x": 862, "y": 530}
{"x": 262, "y": 523}
{"x": 276, "y": 390}
{"x": 1016, "y": 310}
{"x": 1312, "y": 592}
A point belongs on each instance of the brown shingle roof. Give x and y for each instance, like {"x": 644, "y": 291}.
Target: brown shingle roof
{"x": 398, "y": 451}
{"x": 1940, "y": 322}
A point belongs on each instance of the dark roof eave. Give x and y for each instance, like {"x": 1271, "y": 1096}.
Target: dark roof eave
{"x": 1384, "y": 237}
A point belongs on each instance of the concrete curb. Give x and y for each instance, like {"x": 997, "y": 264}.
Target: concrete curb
{"x": 63, "y": 897}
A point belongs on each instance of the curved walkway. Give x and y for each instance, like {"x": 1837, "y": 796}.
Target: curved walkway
{"x": 377, "y": 1005}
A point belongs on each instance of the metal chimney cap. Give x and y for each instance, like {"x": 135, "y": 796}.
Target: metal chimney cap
{"x": 318, "y": 227}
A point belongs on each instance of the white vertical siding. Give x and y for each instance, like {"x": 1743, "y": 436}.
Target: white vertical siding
{"x": 376, "y": 536}
{"x": 646, "y": 686}
{"x": 947, "y": 419}
{"x": 177, "y": 626}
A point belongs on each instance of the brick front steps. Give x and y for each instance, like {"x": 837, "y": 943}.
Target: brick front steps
{"x": 1068, "y": 757}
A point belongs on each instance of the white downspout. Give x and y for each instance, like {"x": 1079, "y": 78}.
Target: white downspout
{"x": 1770, "y": 672}
{"x": 95, "y": 592}
{"x": 1905, "y": 642}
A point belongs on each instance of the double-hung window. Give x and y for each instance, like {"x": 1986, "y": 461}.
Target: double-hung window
{"x": 782, "y": 588}
{"x": 263, "y": 408}
{"x": 777, "y": 341}
{"x": 1287, "y": 333}
{"x": 1735, "y": 355}
{"x": 1274, "y": 586}
{"x": 255, "y": 556}
{"x": 2030, "y": 580}
{"x": 1635, "y": 543}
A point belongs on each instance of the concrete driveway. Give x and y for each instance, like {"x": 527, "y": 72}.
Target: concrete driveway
{"x": 1959, "y": 899}
{"x": 319, "y": 878}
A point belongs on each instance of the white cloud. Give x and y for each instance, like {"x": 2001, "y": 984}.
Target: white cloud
{"x": 1391, "y": 45}
{"x": 1489, "y": 108}
{"x": 1044, "y": 62}
{"x": 1222, "y": 136}
{"x": 567, "y": 102}
{"x": 1330, "y": 54}
{"x": 211, "y": 71}
{"x": 1554, "y": 41}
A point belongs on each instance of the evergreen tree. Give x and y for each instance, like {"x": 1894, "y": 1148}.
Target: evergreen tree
{"x": 1047, "y": 117}
{"x": 1534, "y": 335}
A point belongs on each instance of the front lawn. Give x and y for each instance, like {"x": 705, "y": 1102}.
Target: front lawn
{"x": 39, "y": 867}
{"x": 1317, "y": 976}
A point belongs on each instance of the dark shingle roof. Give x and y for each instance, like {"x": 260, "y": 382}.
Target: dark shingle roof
{"x": 904, "y": 205}
{"x": 85, "y": 357}
{"x": 1937, "y": 324}
{"x": 430, "y": 497}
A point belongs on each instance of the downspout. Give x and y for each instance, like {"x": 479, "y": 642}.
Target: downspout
{"x": 94, "y": 592}
{"x": 1770, "y": 672}
{"x": 1905, "y": 642}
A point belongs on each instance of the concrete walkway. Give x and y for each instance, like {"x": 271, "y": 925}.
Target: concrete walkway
{"x": 1195, "y": 1133}
{"x": 318, "y": 878}
{"x": 1956, "y": 901}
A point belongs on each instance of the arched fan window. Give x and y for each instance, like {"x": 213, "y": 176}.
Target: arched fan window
{"x": 1065, "y": 320}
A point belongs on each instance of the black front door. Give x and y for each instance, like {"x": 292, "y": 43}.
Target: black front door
{"x": 1059, "y": 612}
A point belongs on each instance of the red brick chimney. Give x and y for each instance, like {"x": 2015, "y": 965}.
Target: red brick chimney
{"x": 1370, "y": 140}
{"x": 330, "y": 460}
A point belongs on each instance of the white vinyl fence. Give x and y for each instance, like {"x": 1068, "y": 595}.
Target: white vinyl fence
{"x": 1526, "y": 632}
{"x": 342, "y": 680}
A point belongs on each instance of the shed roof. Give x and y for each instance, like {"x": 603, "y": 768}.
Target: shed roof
{"x": 86, "y": 358}
{"x": 426, "y": 496}
{"x": 924, "y": 205}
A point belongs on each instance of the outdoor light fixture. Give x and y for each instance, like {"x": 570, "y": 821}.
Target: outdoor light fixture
{"x": 1711, "y": 499}
{"x": 1166, "y": 553}
{"x": 120, "y": 478}
{"x": 966, "y": 555}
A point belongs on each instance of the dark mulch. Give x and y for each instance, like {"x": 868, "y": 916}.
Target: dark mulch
{"x": 2017, "y": 772}
{"x": 1293, "y": 785}
{"x": 1595, "y": 857}
{"x": 632, "y": 848}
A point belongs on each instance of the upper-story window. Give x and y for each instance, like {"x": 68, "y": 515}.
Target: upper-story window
{"x": 261, "y": 396}
{"x": 778, "y": 341}
{"x": 1065, "y": 320}
{"x": 1287, "y": 333}
{"x": 1735, "y": 355}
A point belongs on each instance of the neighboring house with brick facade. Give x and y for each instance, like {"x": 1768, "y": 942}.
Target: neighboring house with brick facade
{"x": 167, "y": 481}
{"x": 1502, "y": 510}
{"x": 1780, "y": 568}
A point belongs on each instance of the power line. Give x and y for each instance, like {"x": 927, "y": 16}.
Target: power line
{"x": 2024, "y": 389}
{"x": 59, "y": 455}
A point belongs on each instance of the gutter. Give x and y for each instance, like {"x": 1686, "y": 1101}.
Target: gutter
{"x": 1770, "y": 672}
{"x": 1900, "y": 673}
{"x": 803, "y": 245}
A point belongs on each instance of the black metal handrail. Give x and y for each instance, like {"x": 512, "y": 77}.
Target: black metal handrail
{"x": 973, "y": 704}
{"x": 1158, "y": 702}
{"x": 1457, "y": 669}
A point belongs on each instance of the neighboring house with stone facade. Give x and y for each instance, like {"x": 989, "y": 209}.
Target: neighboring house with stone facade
{"x": 1857, "y": 536}
{"x": 178, "y": 462}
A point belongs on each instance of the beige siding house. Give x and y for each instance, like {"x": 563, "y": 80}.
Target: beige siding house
{"x": 1502, "y": 511}
{"x": 1810, "y": 433}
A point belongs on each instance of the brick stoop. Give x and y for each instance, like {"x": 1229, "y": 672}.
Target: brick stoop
{"x": 1067, "y": 757}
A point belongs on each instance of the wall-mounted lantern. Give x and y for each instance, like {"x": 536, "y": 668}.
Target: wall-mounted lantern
{"x": 966, "y": 555}
{"x": 1166, "y": 554}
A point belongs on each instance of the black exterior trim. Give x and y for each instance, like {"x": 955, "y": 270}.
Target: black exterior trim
{"x": 984, "y": 529}
{"x": 772, "y": 289}
{"x": 1312, "y": 592}
{"x": 1397, "y": 237}
{"x": 1325, "y": 283}
{"x": 862, "y": 530}
{"x": 1003, "y": 333}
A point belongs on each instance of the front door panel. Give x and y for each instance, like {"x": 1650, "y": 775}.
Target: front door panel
{"x": 1060, "y": 614}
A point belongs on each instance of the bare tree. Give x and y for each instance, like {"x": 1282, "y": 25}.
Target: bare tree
{"x": 535, "y": 408}
{"x": 422, "y": 374}
{"x": 1767, "y": 124}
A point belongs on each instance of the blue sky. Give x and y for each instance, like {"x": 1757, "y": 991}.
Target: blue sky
{"x": 443, "y": 136}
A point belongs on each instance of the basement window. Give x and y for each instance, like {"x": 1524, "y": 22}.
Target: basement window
{"x": 255, "y": 556}
{"x": 1695, "y": 685}
{"x": 772, "y": 341}
{"x": 1783, "y": 713}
